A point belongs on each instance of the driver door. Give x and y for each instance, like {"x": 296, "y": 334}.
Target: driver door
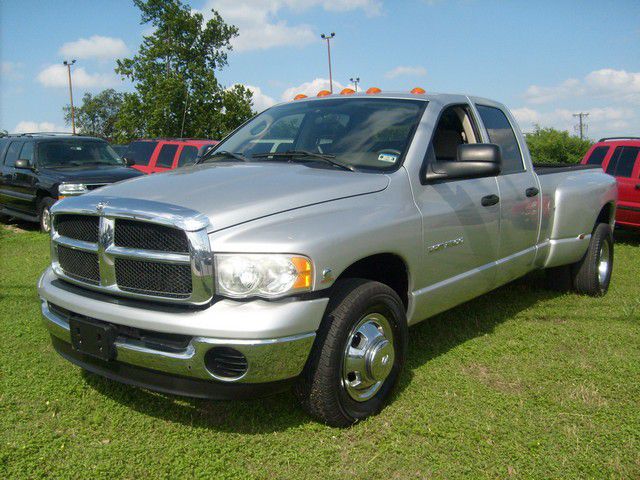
{"x": 460, "y": 230}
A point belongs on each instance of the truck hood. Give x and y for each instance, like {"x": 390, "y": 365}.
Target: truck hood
{"x": 231, "y": 193}
{"x": 91, "y": 174}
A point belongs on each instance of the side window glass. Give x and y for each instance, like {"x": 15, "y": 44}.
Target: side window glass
{"x": 597, "y": 156}
{"x": 501, "y": 133}
{"x": 455, "y": 128}
{"x": 12, "y": 154}
{"x": 27, "y": 151}
{"x": 623, "y": 161}
{"x": 188, "y": 155}
{"x": 165, "y": 157}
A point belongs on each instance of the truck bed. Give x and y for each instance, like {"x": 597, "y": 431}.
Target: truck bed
{"x": 548, "y": 168}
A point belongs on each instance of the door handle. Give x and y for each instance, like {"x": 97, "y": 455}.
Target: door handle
{"x": 531, "y": 192}
{"x": 638, "y": 186}
{"x": 490, "y": 200}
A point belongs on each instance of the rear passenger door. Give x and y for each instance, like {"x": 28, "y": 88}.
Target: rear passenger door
{"x": 24, "y": 181}
{"x": 624, "y": 164}
{"x": 519, "y": 197}
{"x": 8, "y": 195}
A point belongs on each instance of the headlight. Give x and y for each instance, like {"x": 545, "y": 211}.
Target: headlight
{"x": 72, "y": 188}
{"x": 262, "y": 275}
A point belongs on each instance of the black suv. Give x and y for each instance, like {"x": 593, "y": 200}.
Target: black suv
{"x": 38, "y": 169}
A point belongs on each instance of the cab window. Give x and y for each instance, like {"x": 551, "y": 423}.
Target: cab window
{"x": 165, "y": 157}
{"x": 188, "y": 156}
{"x": 597, "y": 156}
{"x": 455, "y": 128}
{"x": 12, "y": 154}
{"x": 622, "y": 161}
{"x": 501, "y": 133}
{"x": 27, "y": 152}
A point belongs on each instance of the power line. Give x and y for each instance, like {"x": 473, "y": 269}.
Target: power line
{"x": 582, "y": 125}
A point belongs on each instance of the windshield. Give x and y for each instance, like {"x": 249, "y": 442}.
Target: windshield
{"x": 357, "y": 132}
{"x": 74, "y": 152}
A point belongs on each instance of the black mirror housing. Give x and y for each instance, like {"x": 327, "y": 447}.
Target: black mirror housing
{"x": 128, "y": 162}
{"x": 23, "y": 164}
{"x": 473, "y": 161}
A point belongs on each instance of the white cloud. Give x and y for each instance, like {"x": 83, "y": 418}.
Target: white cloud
{"x": 607, "y": 83}
{"x": 601, "y": 120}
{"x": 404, "y": 71}
{"x": 102, "y": 48}
{"x": 11, "y": 70}
{"x": 311, "y": 89}
{"x": 28, "y": 126}
{"x": 56, "y": 76}
{"x": 261, "y": 101}
{"x": 259, "y": 28}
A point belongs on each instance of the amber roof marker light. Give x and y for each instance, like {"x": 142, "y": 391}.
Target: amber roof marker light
{"x": 300, "y": 96}
{"x": 347, "y": 91}
{"x": 324, "y": 93}
{"x": 373, "y": 90}
{"x": 418, "y": 91}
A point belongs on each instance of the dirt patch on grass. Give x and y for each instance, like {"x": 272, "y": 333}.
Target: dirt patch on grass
{"x": 493, "y": 380}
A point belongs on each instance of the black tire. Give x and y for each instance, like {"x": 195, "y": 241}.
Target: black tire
{"x": 592, "y": 274}
{"x": 44, "y": 216}
{"x": 321, "y": 388}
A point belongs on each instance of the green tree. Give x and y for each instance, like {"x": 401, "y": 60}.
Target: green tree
{"x": 548, "y": 145}
{"x": 97, "y": 114}
{"x": 177, "y": 93}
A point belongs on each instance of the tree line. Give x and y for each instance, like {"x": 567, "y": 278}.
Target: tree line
{"x": 176, "y": 92}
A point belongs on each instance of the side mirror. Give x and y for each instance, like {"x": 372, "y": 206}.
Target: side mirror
{"x": 474, "y": 160}
{"x": 128, "y": 162}
{"x": 23, "y": 164}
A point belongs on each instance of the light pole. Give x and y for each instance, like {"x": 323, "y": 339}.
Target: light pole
{"x": 73, "y": 118}
{"x": 355, "y": 82}
{"x": 328, "y": 39}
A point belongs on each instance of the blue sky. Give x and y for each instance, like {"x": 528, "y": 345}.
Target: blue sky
{"x": 545, "y": 59}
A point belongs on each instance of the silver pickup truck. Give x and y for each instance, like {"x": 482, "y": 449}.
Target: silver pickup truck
{"x": 302, "y": 247}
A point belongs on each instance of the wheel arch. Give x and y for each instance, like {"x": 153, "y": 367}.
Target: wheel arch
{"x": 387, "y": 268}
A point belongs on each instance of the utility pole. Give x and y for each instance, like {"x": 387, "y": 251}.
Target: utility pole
{"x": 582, "y": 126}
{"x": 328, "y": 39}
{"x": 73, "y": 118}
{"x": 355, "y": 82}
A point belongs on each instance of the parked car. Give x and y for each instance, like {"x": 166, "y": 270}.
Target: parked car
{"x": 620, "y": 157}
{"x": 160, "y": 155}
{"x": 36, "y": 170}
{"x": 306, "y": 263}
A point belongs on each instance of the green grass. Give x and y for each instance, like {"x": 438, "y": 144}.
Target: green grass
{"x": 521, "y": 383}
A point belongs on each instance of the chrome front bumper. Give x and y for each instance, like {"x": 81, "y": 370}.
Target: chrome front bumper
{"x": 269, "y": 358}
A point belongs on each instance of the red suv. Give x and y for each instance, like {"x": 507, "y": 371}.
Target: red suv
{"x": 620, "y": 157}
{"x": 159, "y": 155}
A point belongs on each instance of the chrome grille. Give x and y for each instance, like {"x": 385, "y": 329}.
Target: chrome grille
{"x": 134, "y": 234}
{"x": 78, "y": 227}
{"x": 131, "y": 250}
{"x": 80, "y": 265}
{"x": 153, "y": 278}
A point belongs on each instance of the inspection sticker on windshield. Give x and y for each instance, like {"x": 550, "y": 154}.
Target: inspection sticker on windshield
{"x": 387, "y": 157}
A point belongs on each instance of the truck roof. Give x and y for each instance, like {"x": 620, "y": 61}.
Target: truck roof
{"x": 432, "y": 96}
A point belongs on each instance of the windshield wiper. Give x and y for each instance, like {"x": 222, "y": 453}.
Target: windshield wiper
{"x": 223, "y": 153}
{"x": 307, "y": 155}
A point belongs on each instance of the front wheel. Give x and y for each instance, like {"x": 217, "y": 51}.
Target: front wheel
{"x": 358, "y": 354}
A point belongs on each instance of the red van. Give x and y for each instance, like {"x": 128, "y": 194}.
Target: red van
{"x": 159, "y": 155}
{"x": 620, "y": 157}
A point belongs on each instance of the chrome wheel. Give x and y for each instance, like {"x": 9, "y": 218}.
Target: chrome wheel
{"x": 45, "y": 220}
{"x": 369, "y": 357}
{"x": 604, "y": 262}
